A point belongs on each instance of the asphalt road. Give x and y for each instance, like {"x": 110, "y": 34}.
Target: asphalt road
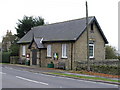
{"x": 15, "y": 78}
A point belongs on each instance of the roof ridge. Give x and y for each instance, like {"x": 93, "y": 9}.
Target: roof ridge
{"x": 62, "y": 22}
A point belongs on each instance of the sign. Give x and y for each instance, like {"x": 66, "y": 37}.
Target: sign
{"x": 55, "y": 56}
{"x": 28, "y": 55}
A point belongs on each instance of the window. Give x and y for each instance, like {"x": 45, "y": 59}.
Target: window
{"x": 23, "y": 50}
{"x": 64, "y": 51}
{"x": 48, "y": 50}
{"x": 92, "y": 28}
{"x": 91, "y": 50}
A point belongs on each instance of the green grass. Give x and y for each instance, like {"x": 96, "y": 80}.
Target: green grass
{"x": 4, "y": 63}
{"x": 85, "y": 77}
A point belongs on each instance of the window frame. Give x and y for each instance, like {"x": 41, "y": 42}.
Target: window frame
{"x": 64, "y": 50}
{"x": 92, "y": 50}
{"x": 49, "y": 52}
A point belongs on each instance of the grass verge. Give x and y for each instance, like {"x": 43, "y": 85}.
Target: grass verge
{"x": 4, "y": 63}
{"x": 85, "y": 77}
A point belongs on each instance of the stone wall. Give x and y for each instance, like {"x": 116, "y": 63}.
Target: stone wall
{"x": 42, "y": 60}
{"x": 57, "y": 48}
{"x": 81, "y": 46}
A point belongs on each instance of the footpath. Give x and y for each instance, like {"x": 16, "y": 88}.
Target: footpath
{"x": 65, "y": 73}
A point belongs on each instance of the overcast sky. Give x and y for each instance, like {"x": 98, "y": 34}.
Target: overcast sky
{"x": 106, "y": 12}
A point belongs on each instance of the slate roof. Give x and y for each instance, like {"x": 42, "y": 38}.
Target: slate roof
{"x": 38, "y": 42}
{"x": 63, "y": 31}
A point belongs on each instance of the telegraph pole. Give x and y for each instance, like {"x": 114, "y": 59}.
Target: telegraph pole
{"x": 88, "y": 63}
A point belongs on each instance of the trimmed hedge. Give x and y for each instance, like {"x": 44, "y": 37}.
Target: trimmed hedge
{"x": 5, "y": 57}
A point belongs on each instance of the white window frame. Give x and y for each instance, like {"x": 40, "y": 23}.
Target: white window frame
{"x": 93, "y": 50}
{"x": 64, "y": 50}
{"x": 48, "y": 50}
{"x": 23, "y": 50}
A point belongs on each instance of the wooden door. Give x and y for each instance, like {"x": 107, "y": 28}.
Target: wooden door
{"x": 34, "y": 57}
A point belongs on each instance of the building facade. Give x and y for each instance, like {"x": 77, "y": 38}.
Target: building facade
{"x": 63, "y": 43}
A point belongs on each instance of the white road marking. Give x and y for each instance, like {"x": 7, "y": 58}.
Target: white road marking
{"x": 60, "y": 86}
{"x": 47, "y": 75}
{"x": 31, "y": 80}
{"x": 2, "y": 73}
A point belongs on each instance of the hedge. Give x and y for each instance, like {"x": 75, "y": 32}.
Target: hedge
{"x": 5, "y": 57}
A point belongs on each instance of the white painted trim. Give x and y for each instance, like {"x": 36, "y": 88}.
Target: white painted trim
{"x": 23, "y": 50}
{"x": 64, "y": 50}
{"x": 93, "y": 50}
{"x": 49, "y": 50}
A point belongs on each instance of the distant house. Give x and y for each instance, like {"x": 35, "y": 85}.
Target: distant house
{"x": 7, "y": 41}
{"x": 64, "y": 42}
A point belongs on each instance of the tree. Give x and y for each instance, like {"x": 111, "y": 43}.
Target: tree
{"x": 110, "y": 52}
{"x": 14, "y": 49}
{"x": 7, "y": 41}
{"x": 24, "y": 25}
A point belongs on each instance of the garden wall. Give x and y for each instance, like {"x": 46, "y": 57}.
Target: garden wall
{"x": 105, "y": 66}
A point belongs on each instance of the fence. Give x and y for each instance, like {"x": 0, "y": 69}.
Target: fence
{"x": 104, "y": 66}
{"x": 14, "y": 59}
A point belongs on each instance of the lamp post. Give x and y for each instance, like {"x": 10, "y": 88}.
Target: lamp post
{"x": 88, "y": 64}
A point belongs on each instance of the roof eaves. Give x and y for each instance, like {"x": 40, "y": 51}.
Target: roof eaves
{"x": 23, "y": 42}
{"x": 58, "y": 41}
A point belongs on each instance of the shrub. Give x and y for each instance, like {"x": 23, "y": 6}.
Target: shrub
{"x": 6, "y": 57}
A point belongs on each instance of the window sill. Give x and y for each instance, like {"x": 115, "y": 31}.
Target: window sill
{"x": 48, "y": 57}
{"x": 23, "y": 55}
{"x": 64, "y": 57}
{"x": 91, "y": 58}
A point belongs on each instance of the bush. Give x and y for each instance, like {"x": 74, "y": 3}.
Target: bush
{"x": 14, "y": 49}
{"x": 6, "y": 57}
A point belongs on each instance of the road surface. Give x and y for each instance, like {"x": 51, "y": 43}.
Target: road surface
{"x": 16, "y": 78}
